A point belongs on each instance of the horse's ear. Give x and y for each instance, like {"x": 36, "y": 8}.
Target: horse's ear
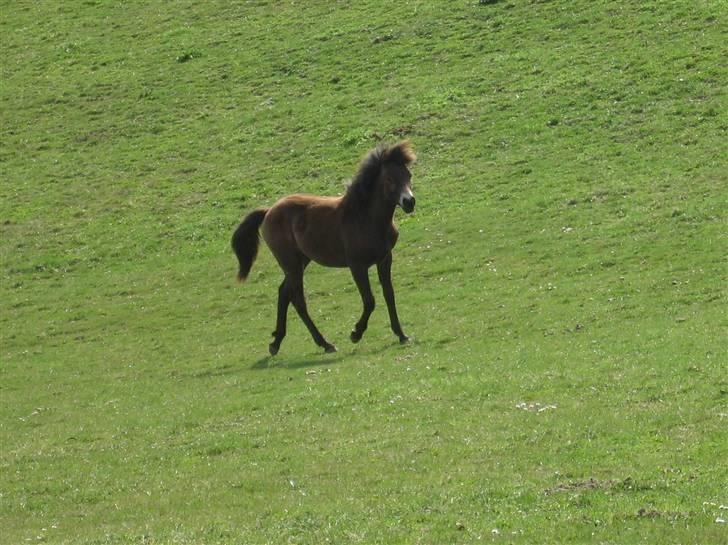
{"x": 402, "y": 153}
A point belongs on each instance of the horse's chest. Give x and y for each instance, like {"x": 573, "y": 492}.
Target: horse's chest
{"x": 372, "y": 247}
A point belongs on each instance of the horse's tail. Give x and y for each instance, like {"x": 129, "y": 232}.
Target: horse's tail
{"x": 246, "y": 239}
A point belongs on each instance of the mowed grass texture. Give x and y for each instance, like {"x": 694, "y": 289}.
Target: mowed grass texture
{"x": 563, "y": 277}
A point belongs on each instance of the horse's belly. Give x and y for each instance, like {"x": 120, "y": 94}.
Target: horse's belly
{"x": 317, "y": 232}
{"x": 322, "y": 253}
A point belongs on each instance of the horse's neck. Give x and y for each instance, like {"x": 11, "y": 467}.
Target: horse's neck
{"x": 375, "y": 217}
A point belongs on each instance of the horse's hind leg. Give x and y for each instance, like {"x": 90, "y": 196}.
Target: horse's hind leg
{"x": 294, "y": 281}
{"x": 283, "y": 300}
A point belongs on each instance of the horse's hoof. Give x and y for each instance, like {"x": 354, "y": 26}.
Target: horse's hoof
{"x": 273, "y": 349}
{"x": 355, "y": 337}
{"x": 404, "y": 339}
{"x": 329, "y": 348}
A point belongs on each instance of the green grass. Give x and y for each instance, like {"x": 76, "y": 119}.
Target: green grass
{"x": 563, "y": 277}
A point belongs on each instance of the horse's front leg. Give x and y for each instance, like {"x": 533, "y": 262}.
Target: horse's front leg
{"x": 384, "y": 270}
{"x": 361, "y": 277}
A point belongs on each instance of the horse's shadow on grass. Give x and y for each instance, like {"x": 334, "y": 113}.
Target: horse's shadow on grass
{"x": 292, "y": 362}
{"x": 312, "y": 360}
{"x": 271, "y": 362}
{"x": 268, "y": 362}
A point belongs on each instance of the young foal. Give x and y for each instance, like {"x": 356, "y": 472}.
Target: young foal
{"x": 354, "y": 231}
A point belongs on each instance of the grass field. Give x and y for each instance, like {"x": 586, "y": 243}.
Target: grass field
{"x": 563, "y": 278}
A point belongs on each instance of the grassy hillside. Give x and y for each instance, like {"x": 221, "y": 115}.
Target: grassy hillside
{"x": 563, "y": 278}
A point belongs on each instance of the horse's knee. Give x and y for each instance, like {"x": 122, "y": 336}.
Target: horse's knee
{"x": 369, "y": 305}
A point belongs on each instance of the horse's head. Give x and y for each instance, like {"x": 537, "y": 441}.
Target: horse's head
{"x": 396, "y": 179}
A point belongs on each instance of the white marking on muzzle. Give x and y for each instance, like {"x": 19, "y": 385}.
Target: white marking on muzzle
{"x": 406, "y": 195}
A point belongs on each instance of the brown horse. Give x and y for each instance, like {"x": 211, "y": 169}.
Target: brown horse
{"x": 354, "y": 231}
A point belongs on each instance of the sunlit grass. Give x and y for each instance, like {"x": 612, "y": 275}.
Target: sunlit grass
{"x": 562, "y": 279}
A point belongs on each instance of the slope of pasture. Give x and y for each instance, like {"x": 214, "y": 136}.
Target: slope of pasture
{"x": 563, "y": 277}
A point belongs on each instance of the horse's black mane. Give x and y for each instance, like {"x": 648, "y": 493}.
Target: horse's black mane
{"x": 361, "y": 187}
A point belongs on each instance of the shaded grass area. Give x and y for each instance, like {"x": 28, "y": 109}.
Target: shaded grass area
{"x": 563, "y": 278}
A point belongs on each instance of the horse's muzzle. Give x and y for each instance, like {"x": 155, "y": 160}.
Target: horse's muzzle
{"x": 408, "y": 204}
